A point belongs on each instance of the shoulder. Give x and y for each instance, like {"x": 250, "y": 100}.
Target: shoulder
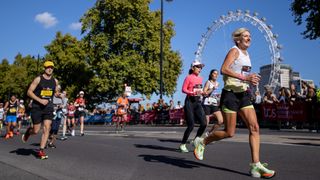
{"x": 234, "y": 51}
{"x": 37, "y": 79}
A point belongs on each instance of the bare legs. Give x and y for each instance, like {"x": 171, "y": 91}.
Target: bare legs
{"x": 248, "y": 115}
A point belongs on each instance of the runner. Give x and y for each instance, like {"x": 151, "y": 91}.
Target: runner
{"x": 236, "y": 99}
{"x": 192, "y": 86}
{"x": 58, "y": 117}
{"x": 80, "y": 104}
{"x": 65, "y": 114}
{"x": 1, "y": 116}
{"x": 21, "y": 115}
{"x": 211, "y": 101}
{"x": 11, "y": 109}
{"x": 70, "y": 116}
{"x": 123, "y": 105}
{"x": 41, "y": 91}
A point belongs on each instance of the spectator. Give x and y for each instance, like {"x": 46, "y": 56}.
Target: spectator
{"x": 171, "y": 106}
{"x": 148, "y": 107}
{"x": 258, "y": 98}
{"x": 269, "y": 97}
{"x": 293, "y": 94}
{"x": 283, "y": 95}
{"x": 179, "y": 106}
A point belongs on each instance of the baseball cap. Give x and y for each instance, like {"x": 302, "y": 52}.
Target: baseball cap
{"x": 196, "y": 63}
{"x": 81, "y": 92}
{"x": 48, "y": 64}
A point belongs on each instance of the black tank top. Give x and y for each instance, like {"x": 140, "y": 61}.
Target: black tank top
{"x": 12, "y": 109}
{"x": 45, "y": 90}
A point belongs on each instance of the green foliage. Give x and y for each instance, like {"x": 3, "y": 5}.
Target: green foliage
{"x": 123, "y": 43}
{"x": 71, "y": 68}
{"x": 15, "y": 78}
{"x": 310, "y": 11}
{"x": 318, "y": 95}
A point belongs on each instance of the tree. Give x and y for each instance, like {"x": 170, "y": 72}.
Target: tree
{"x": 15, "y": 78}
{"x": 123, "y": 44}
{"x": 71, "y": 67}
{"x": 310, "y": 9}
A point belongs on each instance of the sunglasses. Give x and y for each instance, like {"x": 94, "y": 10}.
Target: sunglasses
{"x": 51, "y": 67}
{"x": 198, "y": 66}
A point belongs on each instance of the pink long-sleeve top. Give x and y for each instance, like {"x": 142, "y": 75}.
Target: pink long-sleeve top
{"x": 189, "y": 82}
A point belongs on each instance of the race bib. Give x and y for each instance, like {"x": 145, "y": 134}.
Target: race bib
{"x": 80, "y": 108}
{"x": 197, "y": 88}
{"x": 13, "y": 110}
{"x": 210, "y": 101}
{"x": 46, "y": 93}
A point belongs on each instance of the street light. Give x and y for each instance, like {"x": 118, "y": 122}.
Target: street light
{"x": 161, "y": 48}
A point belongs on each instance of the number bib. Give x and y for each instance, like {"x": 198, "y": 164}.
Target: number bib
{"x": 46, "y": 93}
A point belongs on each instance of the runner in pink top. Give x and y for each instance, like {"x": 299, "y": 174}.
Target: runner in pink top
{"x": 193, "y": 110}
{"x": 190, "y": 82}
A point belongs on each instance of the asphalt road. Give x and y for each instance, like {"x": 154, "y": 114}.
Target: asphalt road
{"x": 150, "y": 153}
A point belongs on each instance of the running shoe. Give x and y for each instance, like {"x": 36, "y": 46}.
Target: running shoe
{"x": 51, "y": 145}
{"x": 183, "y": 148}
{"x": 7, "y": 136}
{"x": 207, "y": 134}
{"x": 199, "y": 148}
{"x": 11, "y": 134}
{"x": 259, "y": 170}
{"x": 17, "y": 133}
{"x": 196, "y": 141}
{"x": 63, "y": 138}
{"x": 82, "y": 134}
{"x": 42, "y": 155}
{"x": 26, "y": 135}
{"x": 72, "y": 133}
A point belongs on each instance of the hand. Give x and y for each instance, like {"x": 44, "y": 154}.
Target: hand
{"x": 254, "y": 79}
{"x": 44, "y": 101}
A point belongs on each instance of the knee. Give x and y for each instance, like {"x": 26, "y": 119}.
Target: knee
{"x": 254, "y": 129}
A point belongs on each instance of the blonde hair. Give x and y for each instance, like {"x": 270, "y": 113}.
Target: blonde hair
{"x": 236, "y": 35}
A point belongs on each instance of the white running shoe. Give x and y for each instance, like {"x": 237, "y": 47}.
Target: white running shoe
{"x": 199, "y": 149}
{"x": 183, "y": 148}
{"x": 259, "y": 170}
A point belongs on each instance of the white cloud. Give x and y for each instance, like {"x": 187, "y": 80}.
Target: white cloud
{"x": 47, "y": 19}
{"x": 75, "y": 26}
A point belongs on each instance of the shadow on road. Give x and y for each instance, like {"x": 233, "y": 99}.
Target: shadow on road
{"x": 183, "y": 163}
{"x": 156, "y": 147}
{"x": 305, "y": 144}
{"x": 24, "y": 152}
{"x": 170, "y": 140}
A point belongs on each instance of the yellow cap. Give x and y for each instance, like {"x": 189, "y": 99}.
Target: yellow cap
{"x": 48, "y": 64}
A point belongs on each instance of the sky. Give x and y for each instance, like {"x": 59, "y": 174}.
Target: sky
{"x": 29, "y": 25}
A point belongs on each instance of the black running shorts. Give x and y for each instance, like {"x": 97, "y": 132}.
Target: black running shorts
{"x": 235, "y": 101}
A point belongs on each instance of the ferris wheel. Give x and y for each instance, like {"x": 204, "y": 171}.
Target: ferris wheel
{"x": 265, "y": 29}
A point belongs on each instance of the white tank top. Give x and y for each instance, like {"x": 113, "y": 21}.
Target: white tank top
{"x": 212, "y": 99}
{"x": 242, "y": 65}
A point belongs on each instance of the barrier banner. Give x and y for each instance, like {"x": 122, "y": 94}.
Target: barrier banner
{"x": 148, "y": 116}
{"x": 176, "y": 114}
{"x": 284, "y": 112}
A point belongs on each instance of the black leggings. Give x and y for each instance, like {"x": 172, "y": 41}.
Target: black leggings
{"x": 193, "y": 109}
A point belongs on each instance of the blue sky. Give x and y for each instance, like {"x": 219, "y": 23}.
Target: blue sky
{"x": 28, "y": 25}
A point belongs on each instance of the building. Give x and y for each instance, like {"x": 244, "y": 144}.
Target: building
{"x": 287, "y": 76}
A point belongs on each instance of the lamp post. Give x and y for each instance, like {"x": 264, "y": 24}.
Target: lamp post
{"x": 161, "y": 48}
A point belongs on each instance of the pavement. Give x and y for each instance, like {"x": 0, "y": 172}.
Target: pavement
{"x": 150, "y": 152}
